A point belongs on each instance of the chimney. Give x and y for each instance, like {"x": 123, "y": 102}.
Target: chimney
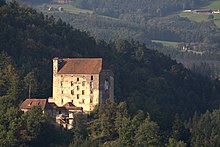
{"x": 55, "y": 65}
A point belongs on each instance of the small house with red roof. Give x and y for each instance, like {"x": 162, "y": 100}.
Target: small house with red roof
{"x": 62, "y": 116}
{"x": 29, "y": 103}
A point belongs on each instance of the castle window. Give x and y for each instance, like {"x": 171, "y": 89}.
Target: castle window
{"x": 91, "y": 77}
{"x": 77, "y": 79}
{"x": 83, "y": 92}
{"x": 77, "y": 87}
{"x": 91, "y": 100}
{"x": 83, "y": 100}
{"x": 91, "y": 84}
{"x": 62, "y": 92}
{"x": 72, "y": 83}
{"x": 61, "y": 84}
{"x": 106, "y": 84}
{"x": 77, "y": 96}
{"x": 62, "y": 101}
{"x": 83, "y": 83}
{"x": 72, "y": 92}
{"x": 91, "y": 91}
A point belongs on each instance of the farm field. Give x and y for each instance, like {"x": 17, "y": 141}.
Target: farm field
{"x": 215, "y": 4}
{"x": 166, "y": 43}
{"x": 70, "y": 9}
{"x": 66, "y": 7}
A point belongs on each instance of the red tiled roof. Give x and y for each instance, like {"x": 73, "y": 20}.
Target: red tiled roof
{"x": 29, "y": 103}
{"x": 70, "y": 106}
{"x": 81, "y": 66}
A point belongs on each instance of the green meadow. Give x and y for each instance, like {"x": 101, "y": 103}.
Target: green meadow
{"x": 215, "y": 4}
{"x": 166, "y": 43}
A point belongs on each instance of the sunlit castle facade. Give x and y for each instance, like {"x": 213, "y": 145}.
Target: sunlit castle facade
{"x": 84, "y": 82}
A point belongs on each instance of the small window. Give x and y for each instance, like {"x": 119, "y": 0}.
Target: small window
{"x": 91, "y": 84}
{"x": 106, "y": 84}
{"x": 91, "y": 77}
{"x": 77, "y": 96}
{"x": 72, "y": 84}
{"x": 71, "y": 101}
{"x": 83, "y": 100}
{"x": 72, "y": 92}
{"x": 91, "y": 100}
{"x": 83, "y": 92}
{"x": 62, "y": 92}
{"x": 83, "y": 83}
{"x": 91, "y": 91}
{"x": 77, "y": 87}
{"x": 30, "y": 103}
{"x": 62, "y": 101}
{"x": 61, "y": 83}
{"x": 77, "y": 79}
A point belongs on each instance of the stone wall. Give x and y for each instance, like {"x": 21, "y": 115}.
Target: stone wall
{"x": 80, "y": 89}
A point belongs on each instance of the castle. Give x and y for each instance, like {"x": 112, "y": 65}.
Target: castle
{"x": 79, "y": 84}
{"x": 85, "y": 82}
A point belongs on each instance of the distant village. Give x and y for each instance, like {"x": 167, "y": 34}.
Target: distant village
{"x": 58, "y": 8}
{"x": 203, "y": 11}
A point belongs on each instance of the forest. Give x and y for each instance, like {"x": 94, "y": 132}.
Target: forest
{"x": 158, "y": 102}
{"x": 145, "y": 21}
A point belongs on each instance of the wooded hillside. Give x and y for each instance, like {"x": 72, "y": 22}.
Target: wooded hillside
{"x": 147, "y": 83}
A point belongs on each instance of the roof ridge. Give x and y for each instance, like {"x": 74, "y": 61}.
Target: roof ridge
{"x": 81, "y": 66}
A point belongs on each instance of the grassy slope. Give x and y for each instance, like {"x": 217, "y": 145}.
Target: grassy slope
{"x": 70, "y": 9}
{"x": 195, "y": 17}
{"x": 166, "y": 43}
{"x": 215, "y": 4}
{"x": 66, "y": 7}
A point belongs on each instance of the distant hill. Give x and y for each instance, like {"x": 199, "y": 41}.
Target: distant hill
{"x": 145, "y": 21}
{"x": 199, "y": 17}
{"x": 136, "y": 20}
